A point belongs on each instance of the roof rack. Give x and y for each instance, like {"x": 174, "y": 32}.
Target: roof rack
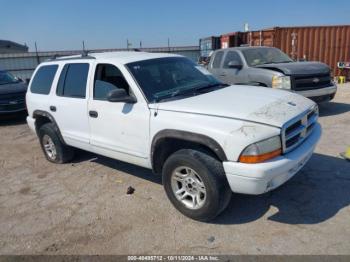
{"x": 83, "y": 55}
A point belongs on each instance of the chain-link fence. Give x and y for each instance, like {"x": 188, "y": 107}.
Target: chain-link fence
{"x": 22, "y": 65}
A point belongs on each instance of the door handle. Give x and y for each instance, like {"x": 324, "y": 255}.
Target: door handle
{"x": 53, "y": 108}
{"x": 93, "y": 114}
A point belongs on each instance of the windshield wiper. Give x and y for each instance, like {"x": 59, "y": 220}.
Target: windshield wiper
{"x": 192, "y": 91}
{"x": 174, "y": 94}
{"x": 211, "y": 86}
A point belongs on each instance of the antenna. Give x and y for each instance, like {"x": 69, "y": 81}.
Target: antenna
{"x": 83, "y": 46}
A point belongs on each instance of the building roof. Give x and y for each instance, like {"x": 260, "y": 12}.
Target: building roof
{"x": 6, "y": 44}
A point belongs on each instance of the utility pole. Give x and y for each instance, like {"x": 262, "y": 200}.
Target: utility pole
{"x": 168, "y": 44}
{"x": 140, "y": 44}
{"x": 83, "y": 46}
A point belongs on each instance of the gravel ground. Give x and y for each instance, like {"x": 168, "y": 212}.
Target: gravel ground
{"x": 83, "y": 208}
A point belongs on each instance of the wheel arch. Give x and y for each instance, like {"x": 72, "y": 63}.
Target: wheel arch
{"x": 168, "y": 141}
{"x": 42, "y": 117}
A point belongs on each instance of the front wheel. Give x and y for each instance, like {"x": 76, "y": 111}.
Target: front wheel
{"x": 196, "y": 184}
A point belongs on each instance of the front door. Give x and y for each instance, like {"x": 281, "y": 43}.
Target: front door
{"x": 233, "y": 75}
{"x": 118, "y": 129}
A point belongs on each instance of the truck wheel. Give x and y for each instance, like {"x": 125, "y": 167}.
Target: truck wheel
{"x": 196, "y": 184}
{"x": 55, "y": 151}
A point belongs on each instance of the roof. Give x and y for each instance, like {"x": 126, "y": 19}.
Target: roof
{"x": 122, "y": 57}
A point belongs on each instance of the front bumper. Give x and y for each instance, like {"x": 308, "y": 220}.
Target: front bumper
{"x": 321, "y": 92}
{"x": 13, "y": 105}
{"x": 255, "y": 179}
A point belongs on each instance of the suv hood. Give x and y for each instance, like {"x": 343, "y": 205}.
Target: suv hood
{"x": 248, "y": 103}
{"x": 299, "y": 68}
{"x": 19, "y": 87}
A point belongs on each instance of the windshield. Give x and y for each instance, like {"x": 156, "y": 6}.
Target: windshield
{"x": 171, "y": 77}
{"x": 261, "y": 56}
{"x": 7, "y": 78}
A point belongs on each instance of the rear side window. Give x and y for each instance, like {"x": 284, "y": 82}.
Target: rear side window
{"x": 72, "y": 82}
{"x": 43, "y": 79}
{"x": 217, "y": 59}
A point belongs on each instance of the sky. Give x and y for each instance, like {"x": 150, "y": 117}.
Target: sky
{"x": 64, "y": 24}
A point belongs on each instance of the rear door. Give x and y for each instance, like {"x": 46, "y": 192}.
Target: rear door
{"x": 69, "y": 103}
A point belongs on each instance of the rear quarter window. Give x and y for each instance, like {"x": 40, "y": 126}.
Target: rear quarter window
{"x": 43, "y": 79}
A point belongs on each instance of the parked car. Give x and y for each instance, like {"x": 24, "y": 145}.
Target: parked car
{"x": 166, "y": 113}
{"x": 270, "y": 67}
{"x": 12, "y": 93}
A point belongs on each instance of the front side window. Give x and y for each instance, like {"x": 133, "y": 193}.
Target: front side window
{"x": 217, "y": 59}
{"x": 43, "y": 79}
{"x": 170, "y": 77}
{"x": 261, "y": 56}
{"x": 72, "y": 82}
{"x": 231, "y": 56}
{"x": 107, "y": 78}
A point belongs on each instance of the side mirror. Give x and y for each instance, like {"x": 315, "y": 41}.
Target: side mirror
{"x": 235, "y": 64}
{"x": 120, "y": 95}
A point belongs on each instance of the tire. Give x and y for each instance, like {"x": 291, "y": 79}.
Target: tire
{"x": 208, "y": 175}
{"x": 51, "y": 142}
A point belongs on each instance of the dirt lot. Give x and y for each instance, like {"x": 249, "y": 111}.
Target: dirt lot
{"x": 82, "y": 207}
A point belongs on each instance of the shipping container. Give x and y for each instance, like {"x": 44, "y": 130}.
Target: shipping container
{"x": 232, "y": 39}
{"x": 208, "y": 45}
{"x": 327, "y": 44}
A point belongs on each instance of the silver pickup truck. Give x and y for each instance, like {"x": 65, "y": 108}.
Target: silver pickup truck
{"x": 270, "y": 67}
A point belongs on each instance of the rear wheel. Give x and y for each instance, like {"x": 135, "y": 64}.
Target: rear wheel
{"x": 196, "y": 184}
{"x": 54, "y": 149}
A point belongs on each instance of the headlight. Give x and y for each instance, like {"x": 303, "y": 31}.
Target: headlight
{"x": 281, "y": 82}
{"x": 262, "y": 151}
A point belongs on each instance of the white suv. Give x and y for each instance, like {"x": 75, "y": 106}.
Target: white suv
{"x": 164, "y": 112}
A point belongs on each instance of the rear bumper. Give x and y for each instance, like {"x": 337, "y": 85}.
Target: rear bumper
{"x": 255, "y": 179}
{"x": 31, "y": 123}
{"x": 321, "y": 92}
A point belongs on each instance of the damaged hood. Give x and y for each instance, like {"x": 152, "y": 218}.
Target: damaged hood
{"x": 254, "y": 104}
{"x": 298, "y": 68}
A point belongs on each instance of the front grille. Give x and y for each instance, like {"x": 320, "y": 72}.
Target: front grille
{"x": 301, "y": 83}
{"x": 12, "y": 96}
{"x": 12, "y": 102}
{"x": 298, "y": 129}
